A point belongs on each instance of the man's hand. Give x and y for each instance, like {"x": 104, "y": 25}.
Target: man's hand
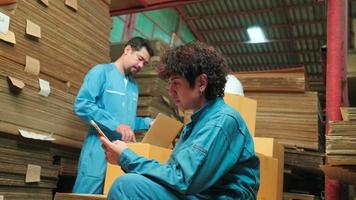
{"x": 126, "y": 132}
{"x": 113, "y": 150}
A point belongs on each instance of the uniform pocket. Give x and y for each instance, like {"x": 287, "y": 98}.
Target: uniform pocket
{"x": 114, "y": 101}
{"x": 115, "y": 92}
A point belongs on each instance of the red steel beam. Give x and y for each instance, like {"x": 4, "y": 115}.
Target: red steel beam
{"x": 264, "y": 27}
{"x": 271, "y": 53}
{"x": 258, "y": 11}
{"x": 163, "y": 4}
{"x": 223, "y": 43}
{"x": 335, "y": 63}
{"x": 190, "y": 24}
{"x": 244, "y": 68}
{"x": 144, "y": 3}
{"x": 277, "y": 65}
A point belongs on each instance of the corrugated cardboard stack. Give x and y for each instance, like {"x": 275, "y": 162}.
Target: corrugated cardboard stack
{"x": 57, "y": 47}
{"x": 153, "y": 93}
{"x": 285, "y": 110}
{"x": 52, "y": 46}
{"x": 340, "y": 148}
{"x": 291, "y": 118}
{"x": 154, "y": 97}
{"x": 341, "y": 139}
{"x": 289, "y": 114}
{"x": 26, "y": 171}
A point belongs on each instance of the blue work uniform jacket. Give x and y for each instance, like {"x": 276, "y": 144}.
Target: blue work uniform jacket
{"x": 105, "y": 98}
{"x": 214, "y": 158}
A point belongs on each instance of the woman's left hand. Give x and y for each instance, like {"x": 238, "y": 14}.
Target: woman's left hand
{"x": 113, "y": 149}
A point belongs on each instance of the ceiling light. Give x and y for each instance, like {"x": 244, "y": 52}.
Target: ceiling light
{"x": 256, "y": 35}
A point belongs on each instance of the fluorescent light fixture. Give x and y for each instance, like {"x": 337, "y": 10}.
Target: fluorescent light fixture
{"x": 256, "y": 35}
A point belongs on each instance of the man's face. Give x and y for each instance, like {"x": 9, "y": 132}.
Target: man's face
{"x": 135, "y": 60}
{"x": 184, "y": 96}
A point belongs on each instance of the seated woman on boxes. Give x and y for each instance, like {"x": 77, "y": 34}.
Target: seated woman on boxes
{"x": 214, "y": 157}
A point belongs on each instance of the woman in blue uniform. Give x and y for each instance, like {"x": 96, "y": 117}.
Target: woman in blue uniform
{"x": 214, "y": 157}
{"x": 109, "y": 96}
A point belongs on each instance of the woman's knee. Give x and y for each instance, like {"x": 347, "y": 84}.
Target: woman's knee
{"x": 126, "y": 184}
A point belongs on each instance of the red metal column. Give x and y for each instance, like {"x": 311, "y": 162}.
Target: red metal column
{"x": 336, "y": 56}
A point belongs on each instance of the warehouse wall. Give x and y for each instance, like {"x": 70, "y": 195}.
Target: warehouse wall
{"x": 158, "y": 24}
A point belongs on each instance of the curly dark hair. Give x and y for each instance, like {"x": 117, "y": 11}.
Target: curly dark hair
{"x": 192, "y": 60}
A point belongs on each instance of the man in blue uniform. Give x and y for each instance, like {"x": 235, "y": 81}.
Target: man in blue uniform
{"x": 109, "y": 96}
{"x": 214, "y": 157}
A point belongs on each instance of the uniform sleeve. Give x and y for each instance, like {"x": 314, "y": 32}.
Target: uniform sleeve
{"x": 142, "y": 123}
{"x": 85, "y": 105}
{"x": 192, "y": 169}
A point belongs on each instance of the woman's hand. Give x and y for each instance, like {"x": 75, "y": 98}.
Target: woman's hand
{"x": 113, "y": 149}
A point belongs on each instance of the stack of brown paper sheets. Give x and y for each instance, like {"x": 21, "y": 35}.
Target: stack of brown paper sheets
{"x": 292, "y": 118}
{"x": 303, "y": 159}
{"x": 285, "y": 111}
{"x": 348, "y": 113}
{"x": 65, "y": 43}
{"x": 341, "y": 142}
{"x": 17, "y": 180}
{"x": 67, "y": 159}
{"x": 70, "y": 43}
{"x": 285, "y": 80}
{"x": 292, "y": 196}
{"x": 30, "y": 111}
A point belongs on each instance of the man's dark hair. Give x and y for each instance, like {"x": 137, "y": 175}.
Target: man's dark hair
{"x": 192, "y": 60}
{"x": 137, "y": 43}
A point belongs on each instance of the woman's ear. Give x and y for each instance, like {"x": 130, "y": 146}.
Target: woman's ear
{"x": 202, "y": 82}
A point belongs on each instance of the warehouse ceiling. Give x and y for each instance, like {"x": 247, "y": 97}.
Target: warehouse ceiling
{"x": 295, "y": 31}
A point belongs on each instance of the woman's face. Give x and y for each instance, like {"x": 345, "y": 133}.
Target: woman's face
{"x": 184, "y": 96}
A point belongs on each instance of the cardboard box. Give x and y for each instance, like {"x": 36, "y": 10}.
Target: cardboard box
{"x": 247, "y": 108}
{"x": 271, "y": 155}
{"x": 268, "y": 178}
{"x": 163, "y": 131}
{"x": 271, "y": 184}
{"x": 147, "y": 150}
{"x": 155, "y": 145}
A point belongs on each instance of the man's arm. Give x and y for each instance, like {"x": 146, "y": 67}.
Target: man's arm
{"x": 85, "y": 104}
{"x": 142, "y": 123}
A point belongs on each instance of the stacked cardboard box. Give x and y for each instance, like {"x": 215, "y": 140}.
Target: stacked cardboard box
{"x": 26, "y": 170}
{"x": 285, "y": 110}
{"x": 57, "y": 42}
{"x": 65, "y": 50}
{"x": 341, "y": 140}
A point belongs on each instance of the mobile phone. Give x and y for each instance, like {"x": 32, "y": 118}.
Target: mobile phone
{"x": 99, "y": 131}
